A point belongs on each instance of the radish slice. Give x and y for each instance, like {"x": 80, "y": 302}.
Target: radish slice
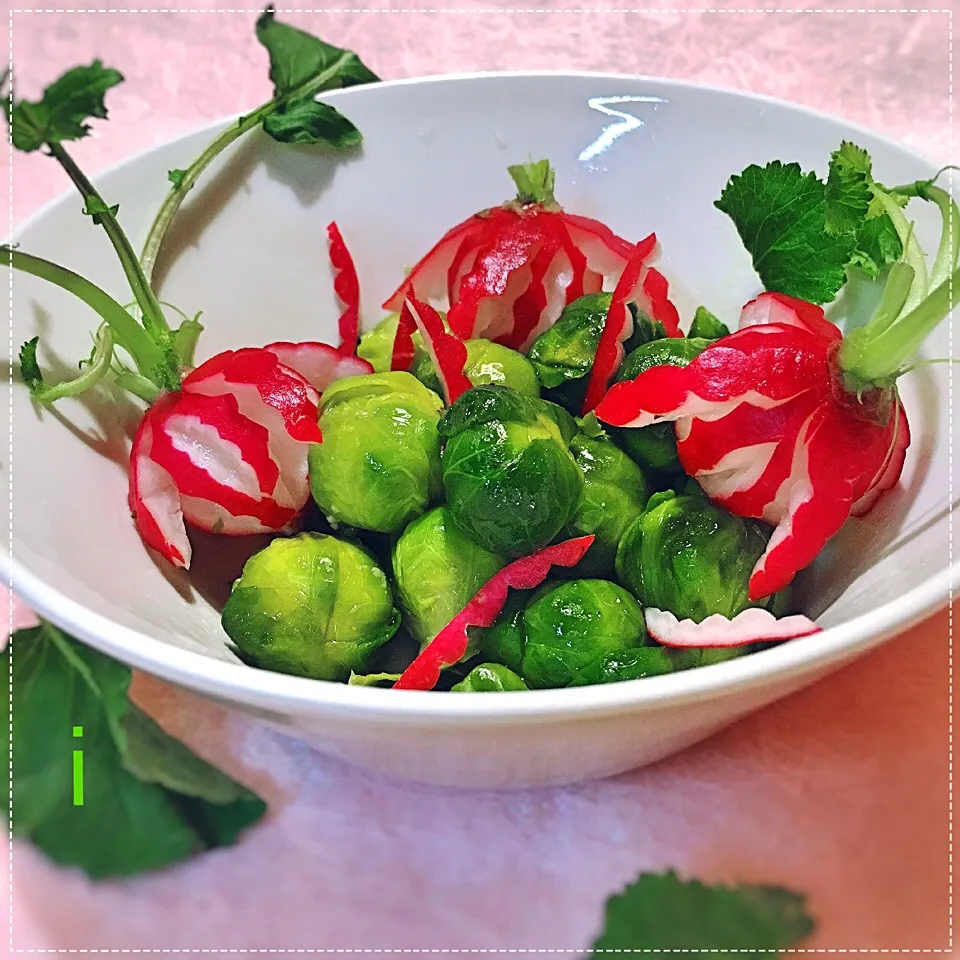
{"x": 428, "y": 279}
{"x": 618, "y": 325}
{"x": 448, "y": 352}
{"x": 154, "y": 500}
{"x": 403, "y": 347}
{"x": 450, "y": 644}
{"x": 753, "y": 625}
{"x": 347, "y": 287}
{"x": 659, "y": 307}
{"x": 318, "y": 363}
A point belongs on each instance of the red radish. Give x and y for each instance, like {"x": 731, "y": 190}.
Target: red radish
{"x": 752, "y": 625}
{"x": 227, "y": 453}
{"x": 318, "y": 363}
{"x": 507, "y": 272}
{"x": 448, "y": 352}
{"x": 766, "y": 426}
{"x": 450, "y": 644}
{"x": 347, "y": 286}
{"x": 619, "y": 323}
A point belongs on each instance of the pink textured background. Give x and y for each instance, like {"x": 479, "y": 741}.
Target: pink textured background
{"x": 840, "y": 791}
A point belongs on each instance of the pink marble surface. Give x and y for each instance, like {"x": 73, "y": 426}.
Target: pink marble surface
{"x": 840, "y": 791}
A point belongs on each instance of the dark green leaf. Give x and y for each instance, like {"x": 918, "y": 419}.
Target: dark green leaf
{"x": 65, "y": 107}
{"x": 878, "y": 245}
{"x": 176, "y": 177}
{"x": 148, "y": 801}
{"x": 97, "y": 209}
{"x": 663, "y": 913}
{"x": 851, "y": 208}
{"x": 847, "y": 193}
{"x": 779, "y": 213}
{"x": 297, "y": 58}
{"x": 307, "y": 121}
{"x": 29, "y": 368}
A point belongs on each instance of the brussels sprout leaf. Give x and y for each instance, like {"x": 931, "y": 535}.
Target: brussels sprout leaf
{"x": 146, "y": 800}
{"x": 662, "y": 913}
{"x": 62, "y": 112}
{"x": 706, "y": 326}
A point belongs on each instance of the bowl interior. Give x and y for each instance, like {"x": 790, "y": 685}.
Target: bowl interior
{"x": 250, "y": 251}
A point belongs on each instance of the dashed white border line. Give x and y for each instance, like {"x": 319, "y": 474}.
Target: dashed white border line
{"x": 10, "y": 273}
{"x": 494, "y": 950}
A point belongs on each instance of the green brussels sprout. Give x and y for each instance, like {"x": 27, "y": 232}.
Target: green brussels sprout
{"x": 379, "y": 464}
{"x": 581, "y": 631}
{"x": 511, "y": 483}
{"x": 563, "y": 355}
{"x": 487, "y": 362}
{"x": 691, "y": 557}
{"x": 437, "y": 570}
{"x": 615, "y": 493}
{"x": 655, "y": 446}
{"x": 503, "y": 642}
{"x": 686, "y": 658}
{"x": 311, "y": 605}
{"x": 376, "y": 345}
{"x": 490, "y": 678}
{"x": 706, "y": 326}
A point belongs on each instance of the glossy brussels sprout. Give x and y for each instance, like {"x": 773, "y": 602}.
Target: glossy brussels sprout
{"x": 511, "y": 483}
{"x": 655, "y": 446}
{"x": 487, "y": 362}
{"x": 691, "y": 557}
{"x": 376, "y": 345}
{"x": 437, "y": 570}
{"x": 563, "y": 355}
{"x": 614, "y": 495}
{"x": 490, "y": 678}
{"x": 586, "y": 631}
{"x": 379, "y": 464}
{"x": 311, "y": 605}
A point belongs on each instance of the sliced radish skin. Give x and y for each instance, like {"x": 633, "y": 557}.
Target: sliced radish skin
{"x": 154, "y": 500}
{"x": 448, "y": 352}
{"x": 318, "y": 363}
{"x": 279, "y": 386}
{"x": 619, "y": 323}
{"x": 347, "y": 287}
{"x": 753, "y": 625}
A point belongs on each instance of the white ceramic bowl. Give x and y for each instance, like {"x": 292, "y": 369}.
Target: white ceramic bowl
{"x": 250, "y": 251}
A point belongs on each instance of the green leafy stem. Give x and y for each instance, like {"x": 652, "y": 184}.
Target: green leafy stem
{"x": 914, "y": 300}
{"x": 184, "y": 180}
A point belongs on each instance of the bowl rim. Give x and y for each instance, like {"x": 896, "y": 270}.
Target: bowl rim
{"x": 241, "y": 684}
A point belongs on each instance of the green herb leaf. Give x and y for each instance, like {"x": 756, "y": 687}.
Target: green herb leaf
{"x": 65, "y": 107}
{"x": 852, "y": 208}
{"x": 779, "y": 213}
{"x": 706, "y": 326}
{"x": 297, "y": 58}
{"x": 307, "y": 121}
{"x": 148, "y": 801}
{"x": 29, "y": 368}
{"x": 97, "y": 209}
{"x": 176, "y": 177}
{"x": 661, "y": 912}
